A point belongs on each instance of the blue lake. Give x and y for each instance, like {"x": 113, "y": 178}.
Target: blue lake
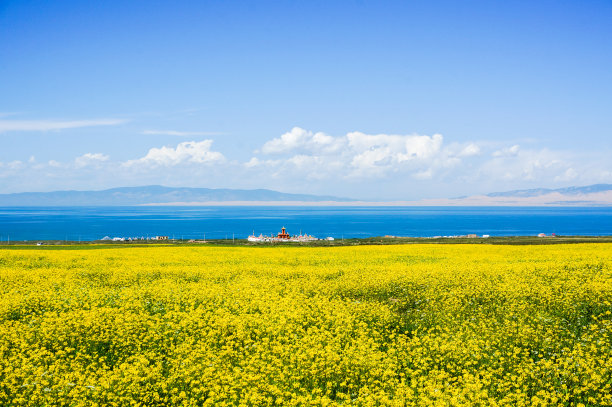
{"x": 91, "y": 223}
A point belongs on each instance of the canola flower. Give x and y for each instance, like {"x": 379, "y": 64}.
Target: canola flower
{"x": 256, "y": 326}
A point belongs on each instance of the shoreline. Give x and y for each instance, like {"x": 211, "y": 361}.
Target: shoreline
{"x": 429, "y": 203}
{"x": 375, "y": 240}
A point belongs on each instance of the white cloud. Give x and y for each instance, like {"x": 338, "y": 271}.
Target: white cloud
{"x": 253, "y": 162}
{"x": 423, "y": 175}
{"x": 507, "y": 152}
{"x": 399, "y": 148}
{"x": 197, "y": 152}
{"x": 375, "y": 154}
{"x": 469, "y": 151}
{"x": 356, "y": 155}
{"x": 15, "y": 165}
{"x": 569, "y": 175}
{"x": 512, "y": 164}
{"x": 603, "y": 175}
{"x": 49, "y": 125}
{"x": 300, "y": 140}
{"x": 179, "y": 133}
{"x": 90, "y": 159}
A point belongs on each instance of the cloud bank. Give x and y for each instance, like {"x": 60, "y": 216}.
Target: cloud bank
{"x": 359, "y": 155}
{"x": 356, "y": 164}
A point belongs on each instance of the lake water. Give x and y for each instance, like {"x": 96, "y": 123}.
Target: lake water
{"x": 91, "y": 223}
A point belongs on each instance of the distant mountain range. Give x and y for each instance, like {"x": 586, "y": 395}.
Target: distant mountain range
{"x": 573, "y": 191}
{"x": 592, "y": 195}
{"x": 153, "y": 194}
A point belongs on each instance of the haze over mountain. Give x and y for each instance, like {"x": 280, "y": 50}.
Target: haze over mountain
{"x": 572, "y": 191}
{"x": 591, "y": 195}
{"x": 153, "y": 194}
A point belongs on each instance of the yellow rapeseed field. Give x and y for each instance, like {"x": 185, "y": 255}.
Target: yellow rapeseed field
{"x": 251, "y": 326}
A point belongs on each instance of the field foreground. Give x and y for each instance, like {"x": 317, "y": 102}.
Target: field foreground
{"x": 364, "y": 325}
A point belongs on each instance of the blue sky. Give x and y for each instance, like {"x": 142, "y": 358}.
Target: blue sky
{"x": 390, "y": 100}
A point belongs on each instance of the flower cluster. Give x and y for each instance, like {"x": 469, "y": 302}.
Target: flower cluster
{"x": 360, "y": 325}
